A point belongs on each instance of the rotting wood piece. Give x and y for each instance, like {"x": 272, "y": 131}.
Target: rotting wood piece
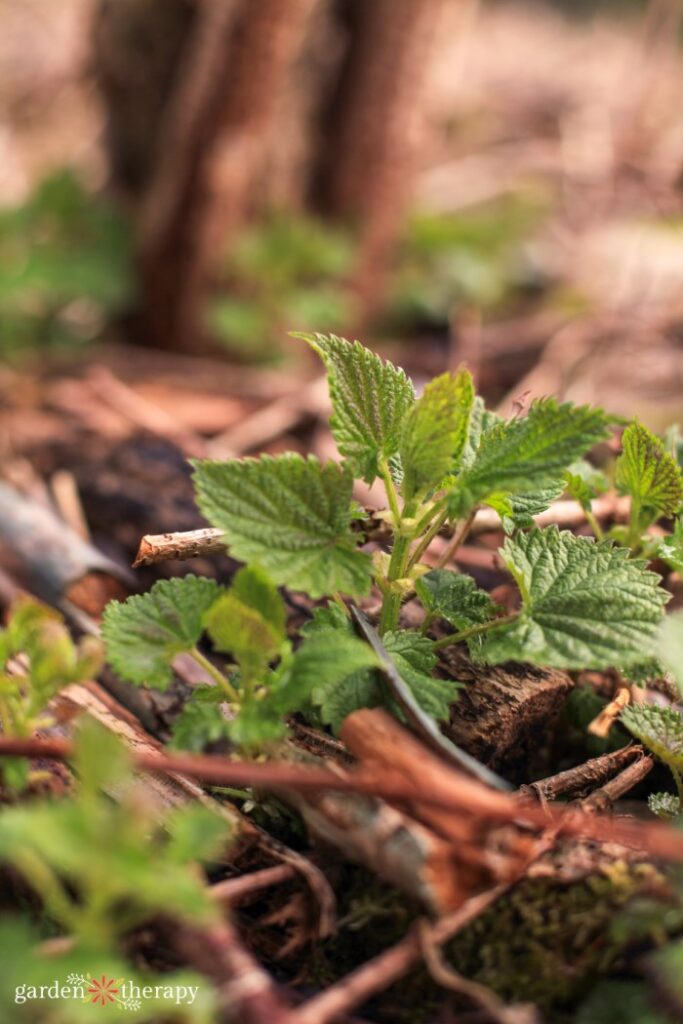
{"x": 505, "y": 713}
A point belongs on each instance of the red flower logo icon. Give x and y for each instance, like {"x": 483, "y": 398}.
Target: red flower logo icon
{"x": 103, "y": 991}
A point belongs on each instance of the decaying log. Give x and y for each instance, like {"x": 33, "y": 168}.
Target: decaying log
{"x": 505, "y": 712}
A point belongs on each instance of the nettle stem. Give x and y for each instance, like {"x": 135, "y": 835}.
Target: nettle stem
{"x": 217, "y": 676}
{"x": 482, "y": 627}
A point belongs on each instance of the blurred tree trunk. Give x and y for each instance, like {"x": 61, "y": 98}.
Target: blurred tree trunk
{"x": 192, "y": 88}
{"x": 207, "y": 148}
{"x": 367, "y": 164}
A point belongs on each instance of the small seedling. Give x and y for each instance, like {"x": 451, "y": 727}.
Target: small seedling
{"x": 583, "y": 604}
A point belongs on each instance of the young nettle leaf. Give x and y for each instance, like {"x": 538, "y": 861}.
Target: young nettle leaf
{"x": 585, "y": 604}
{"x": 290, "y": 515}
{"x": 517, "y": 511}
{"x": 201, "y": 721}
{"x": 435, "y": 432}
{"x": 671, "y": 646}
{"x": 670, "y": 549}
{"x": 660, "y": 729}
{"x": 454, "y": 597}
{"x": 584, "y": 482}
{"x": 414, "y": 657}
{"x": 649, "y": 474}
{"x": 528, "y": 453}
{"x": 370, "y": 399}
{"x": 666, "y": 806}
{"x": 143, "y": 634}
{"x": 352, "y": 685}
{"x": 248, "y": 621}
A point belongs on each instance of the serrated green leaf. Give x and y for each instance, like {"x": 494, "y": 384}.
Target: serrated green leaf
{"x": 647, "y": 472}
{"x": 254, "y": 588}
{"x": 584, "y": 482}
{"x": 584, "y": 604}
{"x": 237, "y": 629}
{"x": 414, "y": 657}
{"x": 517, "y": 511}
{"x": 666, "y": 806}
{"x": 670, "y": 549}
{"x": 332, "y": 667}
{"x": 436, "y": 431}
{"x": 671, "y": 646}
{"x": 290, "y": 515}
{"x": 659, "y": 728}
{"x": 370, "y": 399}
{"x": 201, "y": 721}
{"x": 143, "y": 634}
{"x": 528, "y": 453}
{"x": 454, "y": 597}
{"x": 412, "y": 654}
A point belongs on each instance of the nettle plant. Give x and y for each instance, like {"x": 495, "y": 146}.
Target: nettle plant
{"x": 584, "y": 603}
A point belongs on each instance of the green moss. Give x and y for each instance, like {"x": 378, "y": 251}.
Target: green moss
{"x": 547, "y": 942}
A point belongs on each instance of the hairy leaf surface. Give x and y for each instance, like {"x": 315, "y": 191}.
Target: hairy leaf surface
{"x": 290, "y": 515}
{"x": 584, "y": 604}
{"x": 454, "y": 597}
{"x": 370, "y": 399}
{"x": 647, "y": 472}
{"x": 659, "y": 728}
{"x": 528, "y": 453}
{"x": 436, "y": 432}
{"x": 143, "y": 634}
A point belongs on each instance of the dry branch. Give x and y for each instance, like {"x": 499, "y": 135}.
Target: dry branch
{"x": 455, "y": 794}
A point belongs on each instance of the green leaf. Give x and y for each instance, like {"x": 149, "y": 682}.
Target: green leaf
{"x": 370, "y": 399}
{"x": 332, "y": 667}
{"x": 517, "y": 511}
{"x": 337, "y": 695}
{"x": 414, "y": 657}
{"x": 647, "y": 472}
{"x": 659, "y": 728}
{"x": 670, "y": 549}
{"x": 201, "y": 721}
{"x": 584, "y": 604}
{"x": 436, "y": 431}
{"x": 290, "y": 515}
{"x": 671, "y": 646}
{"x": 584, "y": 482}
{"x": 528, "y": 453}
{"x": 666, "y": 806}
{"x": 254, "y": 588}
{"x": 143, "y": 634}
{"x": 236, "y": 629}
{"x": 455, "y": 598}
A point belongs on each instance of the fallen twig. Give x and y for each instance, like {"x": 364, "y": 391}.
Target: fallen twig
{"x": 582, "y": 776}
{"x": 161, "y": 547}
{"x": 460, "y": 792}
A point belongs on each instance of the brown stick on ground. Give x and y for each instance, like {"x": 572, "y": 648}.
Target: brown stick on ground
{"x": 161, "y": 547}
{"x": 583, "y": 776}
{"x": 454, "y": 793}
{"x": 603, "y": 798}
{"x": 378, "y": 974}
{"x": 245, "y": 991}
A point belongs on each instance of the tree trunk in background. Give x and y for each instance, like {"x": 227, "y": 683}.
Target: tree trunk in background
{"x": 192, "y": 91}
{"x": 206, "y": 147}
{"x": 137, "y": 47}
{"x": 368, "y": 163}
